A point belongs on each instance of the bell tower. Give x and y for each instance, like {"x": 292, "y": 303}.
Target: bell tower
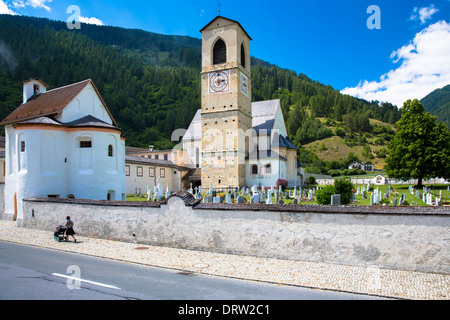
{"x": 226, "y": 103}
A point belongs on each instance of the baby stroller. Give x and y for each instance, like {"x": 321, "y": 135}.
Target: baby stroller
{"x": 59, "y": 234}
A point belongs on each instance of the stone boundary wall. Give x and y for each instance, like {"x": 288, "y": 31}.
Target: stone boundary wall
{"x": 407, "y": 238}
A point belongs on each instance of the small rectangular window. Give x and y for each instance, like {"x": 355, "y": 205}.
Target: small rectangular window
{"x": 162, "y": 173}
{"x": 140, "y": 172}
{"x": 127, "y": 171}
{"x": 85, "y": 144}
{"x": 151, "y": 172}
{"x": 22, "y": 146}
{"x": 165, "y": 157}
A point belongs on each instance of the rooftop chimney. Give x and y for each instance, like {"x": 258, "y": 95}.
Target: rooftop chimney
{"x": 151, "y": 148}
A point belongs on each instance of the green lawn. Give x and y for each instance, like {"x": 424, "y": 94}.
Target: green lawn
{"x": 136, "y": 198}
{"x": 398, "y": 190}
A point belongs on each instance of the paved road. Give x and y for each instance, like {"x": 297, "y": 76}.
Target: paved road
{"x": 30, "y": 273}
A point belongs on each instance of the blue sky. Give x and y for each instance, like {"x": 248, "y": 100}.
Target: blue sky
{"x": 329, "y": 41}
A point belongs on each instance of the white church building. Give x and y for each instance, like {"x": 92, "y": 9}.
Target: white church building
{"x": 62, "y": 143}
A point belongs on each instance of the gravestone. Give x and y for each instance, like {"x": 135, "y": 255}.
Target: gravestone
{"x": 262, "y": 197}
{"x": 255, "y": 198}
{"x": 216, "y": 200}
{"x": 375, "y": 198}
{"x": 207, "y": 199}
{"x": 394, "y": 201}
{"x": 336, "y": 200}
{"x": 149, "y": 193}
{"x": 240, "y": 199}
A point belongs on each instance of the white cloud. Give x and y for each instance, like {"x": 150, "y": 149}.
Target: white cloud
{"x": 423, "y": 14}
{"x": 92, "y": 21}
{"x": 32, "y": 3}
{"x": 18, "y": 4}
{"x": 4, "y": 9}
{"x": 424, "y": 67}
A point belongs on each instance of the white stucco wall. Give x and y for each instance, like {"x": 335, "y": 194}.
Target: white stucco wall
{"x": 54, "y": 164}
{"x": 87, "y": 102}
{"x": 263, "y": 179}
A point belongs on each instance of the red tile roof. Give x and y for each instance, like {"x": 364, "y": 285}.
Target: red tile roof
{"x": 50, "y": 103}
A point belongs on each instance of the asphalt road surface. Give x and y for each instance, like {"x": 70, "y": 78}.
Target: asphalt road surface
{"x": 30, "y": 273}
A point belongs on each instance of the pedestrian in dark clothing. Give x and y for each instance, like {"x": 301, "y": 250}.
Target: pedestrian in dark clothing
{"x": 70, "y": 232}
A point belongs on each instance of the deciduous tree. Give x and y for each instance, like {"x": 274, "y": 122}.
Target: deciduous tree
{"x": 421, "y": 147}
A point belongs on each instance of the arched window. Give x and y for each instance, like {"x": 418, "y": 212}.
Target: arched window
{"x": 254, "y": 169}
{"x": 110, "y": 151}
{"x": 268, "y": 168}
{"x": 219, "y": 52}
{"x": 242, "y": 55}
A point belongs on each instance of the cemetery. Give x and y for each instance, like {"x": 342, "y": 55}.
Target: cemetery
{"x": 364, "y": 195}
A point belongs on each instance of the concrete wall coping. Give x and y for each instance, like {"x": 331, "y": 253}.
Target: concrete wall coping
{"x": 387, "y": 210}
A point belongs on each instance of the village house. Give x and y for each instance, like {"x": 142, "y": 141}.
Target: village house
{"x": 366, "y": 166}
{"x": 145, "y": 167}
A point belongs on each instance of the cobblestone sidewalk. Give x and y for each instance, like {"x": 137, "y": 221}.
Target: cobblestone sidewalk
{"x": 354, "y": 279}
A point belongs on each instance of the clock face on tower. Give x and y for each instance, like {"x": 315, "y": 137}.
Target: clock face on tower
{"x": 219, "y": 82}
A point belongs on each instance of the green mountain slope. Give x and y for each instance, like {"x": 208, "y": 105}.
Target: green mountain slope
{"x": 438, "y": 104}
{"x": 151, "y": 82}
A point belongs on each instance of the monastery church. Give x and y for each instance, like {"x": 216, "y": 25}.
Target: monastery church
{"x": 65, "y": 143}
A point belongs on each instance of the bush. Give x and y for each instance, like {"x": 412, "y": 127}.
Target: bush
{"x": 283, "y": 183}
{"x": 333, "y": 172}
{"x": 345, "y": 189}
{"x": 340, "y": 132}
{"x": 323, "y": 196}
{"x": 311, "y": 181}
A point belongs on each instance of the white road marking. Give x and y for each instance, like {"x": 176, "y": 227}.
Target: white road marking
{"x": 87, "y": 281}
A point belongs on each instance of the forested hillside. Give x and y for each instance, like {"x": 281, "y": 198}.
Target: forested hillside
{"x": 151, "y": 82}
{"x": 438, "y": 104}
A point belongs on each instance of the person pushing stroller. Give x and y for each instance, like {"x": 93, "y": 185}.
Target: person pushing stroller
{"x": 70, "y": 232}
